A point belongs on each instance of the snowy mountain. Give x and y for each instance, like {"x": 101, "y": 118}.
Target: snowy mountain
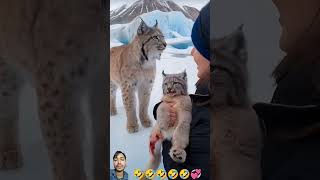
{"x": 126, "y": 13}
{"x": 174, "y": 25}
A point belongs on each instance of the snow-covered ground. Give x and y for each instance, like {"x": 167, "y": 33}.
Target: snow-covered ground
{"x": 135, "y": 146}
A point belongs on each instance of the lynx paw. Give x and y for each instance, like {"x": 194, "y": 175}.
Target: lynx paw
{"x": 132, "y": 128}
{"x": 146, "y": 122}
{"x": 178, "y": 155}
{"x": 10, "y": 159}
{"x": 113, "y": 112}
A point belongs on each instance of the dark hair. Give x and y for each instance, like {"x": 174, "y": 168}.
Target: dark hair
{"x": 119, "y": 152}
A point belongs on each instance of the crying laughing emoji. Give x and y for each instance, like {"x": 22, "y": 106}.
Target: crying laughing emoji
{"x": 173, "y": 174}
{"x": 150, "y": 174}
{"x": 138, "y": 173}
{"x": 161, "y": 174}
{"x": 184, "y": 174}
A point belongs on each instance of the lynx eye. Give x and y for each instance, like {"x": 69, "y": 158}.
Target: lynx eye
{"x": 155, "y": 37}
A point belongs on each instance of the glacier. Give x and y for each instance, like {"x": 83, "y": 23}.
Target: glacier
{"x": 174, "y": 25}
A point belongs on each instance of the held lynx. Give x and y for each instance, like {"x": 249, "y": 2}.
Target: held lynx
{"x": 174, "y": 92}
{"x": 133, "y": 68}
{"x": 235, "y": 130}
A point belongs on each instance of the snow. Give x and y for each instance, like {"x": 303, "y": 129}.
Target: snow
{"x": 167, "y": 5}
{"x": 175, "y": 34}
{"x": 135, "y": 146}
{"x": 192, "y": 3}
{"x": 141, "y": 9}
{"x": 132, "y": 11}
{"x": 153, "y": 6}
{"x": 119, "y": 11}
{"x": 172, "y": 24}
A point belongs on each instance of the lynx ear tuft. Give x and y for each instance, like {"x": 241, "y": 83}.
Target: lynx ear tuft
{"x": 143, "y": 27}
{"x": 184, "y": 73}
{"x": 156, "y": 25}
{"x": 163, "y": 74}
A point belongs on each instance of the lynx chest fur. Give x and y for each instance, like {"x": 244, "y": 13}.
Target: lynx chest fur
{"x": 180, "y": 104}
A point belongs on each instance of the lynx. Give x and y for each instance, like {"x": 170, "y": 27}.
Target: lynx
{"x": 235, "y": 130}
{"x": 59, "y": 48}
{"x": 174, "y": 91}
{"x": 133, "y": 68}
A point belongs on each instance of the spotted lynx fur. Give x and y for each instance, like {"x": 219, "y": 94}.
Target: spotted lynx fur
{"x": 133, "y": 68}
{"x": 174, "y": 91}
{"x": 59, "y": 48}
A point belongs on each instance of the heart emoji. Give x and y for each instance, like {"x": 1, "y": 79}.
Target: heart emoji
{"x": 196, "y": 173}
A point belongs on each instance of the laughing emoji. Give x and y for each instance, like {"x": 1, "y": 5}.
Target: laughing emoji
{"x": 150, "y": 174}
{"x": 173, "y": 174}
{"x": 138, "y": 173}
{"x": 184, "y": 174}
{"x": 161, "y": 174}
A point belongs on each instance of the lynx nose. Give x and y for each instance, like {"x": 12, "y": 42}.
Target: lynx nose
{"x": 165, "y": 44}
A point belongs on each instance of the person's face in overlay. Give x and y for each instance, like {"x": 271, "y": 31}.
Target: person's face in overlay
{"x": 119, "y": 163}
{"x": 203, "y": 65}
{"x": 295, "y": 18}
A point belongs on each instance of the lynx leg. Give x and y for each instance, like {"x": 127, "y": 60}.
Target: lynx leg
{"x": 155, "y": 143}
{"x": 163, "y": 117}
{"x": 128, "y": 96}
{"x": 180, "y": 139}
{"x": 60, "y": 124}
{"x": 113, "y": 94}
{"x": 10, "y": 152}
{"x": 144, "y": 92}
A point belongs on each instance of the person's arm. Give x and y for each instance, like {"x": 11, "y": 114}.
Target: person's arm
{"x": 155, "y": 110}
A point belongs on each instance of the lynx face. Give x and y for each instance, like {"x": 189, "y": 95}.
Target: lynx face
{"x": 152, "y": 40}
{"x": 229, "y": 69}
{"x": 175, "y": 84}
